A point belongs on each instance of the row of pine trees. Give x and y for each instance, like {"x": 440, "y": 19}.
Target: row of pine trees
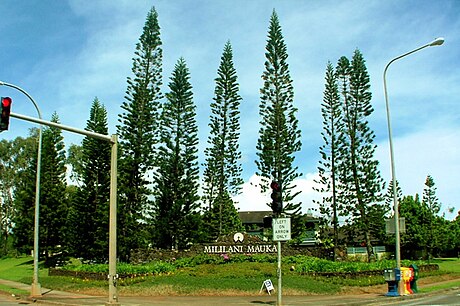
{"x": 162, "y": 200}
{"x": 159, "y": 199}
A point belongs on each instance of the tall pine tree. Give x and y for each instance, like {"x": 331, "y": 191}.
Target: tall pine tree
{"x": 389, "y": 199}
{"x": 279, "y": 134}
{"x": 222, "y": 174}
{"x": 15, "y": 158}
{"x": 359, "y": 173}
{"x": 53, "y": 200}
{"x": 333, "y": 137}
{"x": 24, "y": 198}
{"x": 88, "y": 220}
{"x": 138, "y": 132}
{"x": 432, "y": 207}
{"x": 176, "y": 210}
{"x": 7, "y": 187}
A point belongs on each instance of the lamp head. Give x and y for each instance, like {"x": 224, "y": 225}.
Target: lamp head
{"x": 437, "y": 42}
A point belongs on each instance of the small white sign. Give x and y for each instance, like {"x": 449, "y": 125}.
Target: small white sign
{"x": 281, "y": 229}
{"x": 268, "y": 286}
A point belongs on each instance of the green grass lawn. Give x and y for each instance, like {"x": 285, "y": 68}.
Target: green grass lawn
{"x": 448, "y": 264}
{"x": 13, "y": 290}
{"x": 16, "y": 268}
{"x": 448, "y": 268}
{"x": 236, "y": 278}
{"x": 19, "y": 269}
{"x": 246, "y": 277}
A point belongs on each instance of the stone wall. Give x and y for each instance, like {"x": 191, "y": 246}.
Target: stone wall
{"x": 231, "y": 244}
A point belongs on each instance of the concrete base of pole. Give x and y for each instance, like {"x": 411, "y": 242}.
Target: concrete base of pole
{"x": 35, "y": 290}
{"x": 401, "y": 287}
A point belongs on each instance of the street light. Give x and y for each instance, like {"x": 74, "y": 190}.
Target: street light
{"x": 35, "y": 288}
{"x": 437, "y": 42}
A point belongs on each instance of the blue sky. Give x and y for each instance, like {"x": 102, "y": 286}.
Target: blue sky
{"x": 65, "y": 53}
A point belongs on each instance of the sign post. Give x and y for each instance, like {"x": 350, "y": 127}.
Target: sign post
{"x": 281, "y": 232}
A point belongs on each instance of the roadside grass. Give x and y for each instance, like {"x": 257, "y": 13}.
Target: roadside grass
{"x": 20, "y": 269}
{"x": 72, "y": 284}
{"x": 451, "y": 265}
{"x": 236, "y": 278}
{"x": 440, "y": 286}
{"x": 244, "y": 278}
{"x": 447, "y": 266}
{"x": 14, "y": 291}
{"x": 16, "y": 269}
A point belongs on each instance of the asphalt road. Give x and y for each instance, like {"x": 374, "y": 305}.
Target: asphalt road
{"x": 7, "y": 300}
{"x": 52, "y": 297}
{"x": 443, "y": 298}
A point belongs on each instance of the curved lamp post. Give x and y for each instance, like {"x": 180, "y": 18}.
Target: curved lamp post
{"x": 35, "y": 289}
{"x": 437, "y": 42}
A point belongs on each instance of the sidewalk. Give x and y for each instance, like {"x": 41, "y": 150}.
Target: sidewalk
{"x": 53, "y": 297}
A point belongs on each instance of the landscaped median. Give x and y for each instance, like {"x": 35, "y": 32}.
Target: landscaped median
{"x": 216, "y": 275}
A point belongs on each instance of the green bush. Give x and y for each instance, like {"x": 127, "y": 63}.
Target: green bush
{"x": 157, "y": 267}
{"x": 301, "y": 264}
{"x": 313, "y": 264}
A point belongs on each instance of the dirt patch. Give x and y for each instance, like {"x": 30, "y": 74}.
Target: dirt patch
{"x": 353, "y": 290}
{"x": 91, "y": 291}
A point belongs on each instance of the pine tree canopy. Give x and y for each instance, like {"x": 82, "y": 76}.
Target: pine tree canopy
{"x": 138, "y": 131}
{"x": 176, "y": 207}
{"x": 222, "y": 173}
{"x": 279, "y": 134}
{"x": 88, "y": 216}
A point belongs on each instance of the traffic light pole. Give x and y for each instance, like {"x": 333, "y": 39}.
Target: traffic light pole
{"x": 278, "y": 270}
{"x": 277, "y": 207}
{"x": 113, "y": 140}
{"x": 35, "y": 290}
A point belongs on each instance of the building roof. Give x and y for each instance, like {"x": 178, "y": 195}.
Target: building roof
{"x": 254, "y": 217}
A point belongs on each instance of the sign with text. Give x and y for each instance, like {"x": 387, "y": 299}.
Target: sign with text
{"x": 268, "y": 286}
{"x": 281, "y": 229}
{"x": 390, "y": 225}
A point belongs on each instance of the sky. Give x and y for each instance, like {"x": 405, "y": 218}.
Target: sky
{"x": 65, "y": 53}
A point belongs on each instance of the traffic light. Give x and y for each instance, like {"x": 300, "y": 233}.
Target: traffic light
{"x": 5, "y": 118}
{"x": 277, "y": 197}
{"x": 268, "y": 222}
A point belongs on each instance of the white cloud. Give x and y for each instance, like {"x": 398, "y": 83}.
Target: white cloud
{"x": 252, "y": 198}
{"x": 433, "y": 151}
{"x": 306, "y": 184}
{"x": 88, "y": 51}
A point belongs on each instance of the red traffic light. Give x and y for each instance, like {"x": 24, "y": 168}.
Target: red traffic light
{"x": 275, "y": 186}
{"x": 5, "y": 115}
{"x": 277, "y": 203}
{"x": 6, "y": 102}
